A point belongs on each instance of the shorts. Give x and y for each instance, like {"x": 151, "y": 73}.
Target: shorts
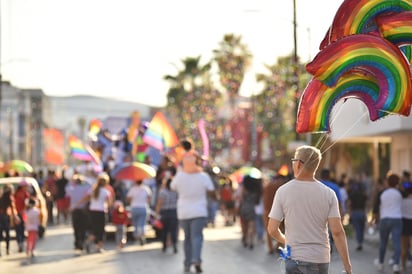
{"x": 406, "y": 227}
{"x": 63, "y": 203}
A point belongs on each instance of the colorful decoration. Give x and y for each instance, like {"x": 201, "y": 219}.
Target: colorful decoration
{"x": 358, "y": 16}
{"x": 17, "y": 165}
{"x": 134, "y": 171}
{"x": 396, "y": 28}
{"x": 160, "y": 134}
{"x": 95, "y": 126}
{"x": 205, "y": 139}
{"x": 283, "y": 170}
{"x": 253, "y": 172}
{"x": 365, "y": 55}
{"x": 141, "y": 148}
{"x": 81, "y": 151}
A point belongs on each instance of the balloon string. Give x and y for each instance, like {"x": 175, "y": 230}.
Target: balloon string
{"x": 346, "y": 132}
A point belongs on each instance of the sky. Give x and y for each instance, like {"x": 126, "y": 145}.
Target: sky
{"x": 121, "y": 49}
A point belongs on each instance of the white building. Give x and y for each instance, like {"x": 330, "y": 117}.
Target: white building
{"x": 350, "y": 123}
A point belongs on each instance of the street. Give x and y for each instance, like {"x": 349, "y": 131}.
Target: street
{"x": 222, "y": 253}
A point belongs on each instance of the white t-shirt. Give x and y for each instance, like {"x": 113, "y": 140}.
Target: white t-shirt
{"x": 139, "y": 195}
{"x": 407, "y": 208}
{"x": 192, "y": 191}
{"x": 100, "y": 203}
{"x": 391, "y": 204}
{"x": 32, "y": 219}
{"x": 306, "y": 207}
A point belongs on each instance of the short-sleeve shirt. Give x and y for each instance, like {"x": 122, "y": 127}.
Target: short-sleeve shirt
{"x": 99, "y": 203}
{"x": 139, "y": 195}
{"x": 192, "y": 191}
{"x": 306, "y": 207}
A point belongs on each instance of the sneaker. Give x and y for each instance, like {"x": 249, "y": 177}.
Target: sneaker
{"x": 391, "y": 262}
{"x": 198, "y": 269}
{"x": 378, "y": 265}
{"x": 396, "y": 269}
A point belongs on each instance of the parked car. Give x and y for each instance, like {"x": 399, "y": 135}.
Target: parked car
{"x": 34, "y": 190}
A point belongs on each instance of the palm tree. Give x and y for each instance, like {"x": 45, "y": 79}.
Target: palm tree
{"x": 233, "y": 58}
{"x": 192, "y": 97}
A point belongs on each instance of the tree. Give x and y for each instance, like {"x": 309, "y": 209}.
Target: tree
{"x": 233, "y": 58}
{"x": 192, "y": 97}
{"x": 275, "y": 106}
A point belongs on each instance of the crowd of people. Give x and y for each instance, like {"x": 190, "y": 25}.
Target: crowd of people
{"x": 186, "y": 195}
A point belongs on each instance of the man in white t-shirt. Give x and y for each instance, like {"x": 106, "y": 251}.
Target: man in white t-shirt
{"x": 192, "y": 188}
{"x": 307, "y": 206}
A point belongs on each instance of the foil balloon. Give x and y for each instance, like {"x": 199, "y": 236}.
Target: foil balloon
{"x": 358, "y": 17}
{"x": 317, "y": 100}
{"x": 381, "y": 62}
{"x": 396, "y": 28}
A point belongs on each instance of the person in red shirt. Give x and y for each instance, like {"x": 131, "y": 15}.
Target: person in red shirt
{"x": 49, "y": 190}
{"x": 120, "y": 218}
{"x": 21, "y": 195}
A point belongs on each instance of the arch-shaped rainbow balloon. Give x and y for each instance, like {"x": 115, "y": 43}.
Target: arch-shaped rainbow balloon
{"x": 354, "y": 85}
{"x": 358, "y": 16}
{"x": 364, "y": 56}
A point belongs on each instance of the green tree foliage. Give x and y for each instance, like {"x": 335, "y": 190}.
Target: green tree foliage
{"x": 276, "y": 105}
{"x": 192, "y": 97}
{"x": 233, "y": 58}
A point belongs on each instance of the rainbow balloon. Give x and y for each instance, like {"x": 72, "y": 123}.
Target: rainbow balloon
{"x": 358, "y": 17}
{"x": 362, "y": 61}
{"x": 315, "y": 116}
{"x": 396, "y": 28}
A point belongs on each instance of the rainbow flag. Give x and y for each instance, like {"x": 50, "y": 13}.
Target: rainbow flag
{"x": 160, "y": 134}
{"x": 81, "y": 151}
{"x": 95, "y": 126}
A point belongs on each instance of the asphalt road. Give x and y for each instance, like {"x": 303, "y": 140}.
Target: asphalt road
{"x": 222, "y": 253}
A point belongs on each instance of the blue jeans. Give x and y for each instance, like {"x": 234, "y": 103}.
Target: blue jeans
{"x": 19, "y": 228}
{"x": 260, "y": 227}
{"x": 358, "y": 220}
{"x": 393, "y": 227}
{"x": 212, "y": 207}
{"x": 193, "y": 230}
{"x": 300, "y": 267}
{"x": 139, "y": 215}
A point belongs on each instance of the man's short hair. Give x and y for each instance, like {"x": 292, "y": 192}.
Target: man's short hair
{"x": 310, "y": 156}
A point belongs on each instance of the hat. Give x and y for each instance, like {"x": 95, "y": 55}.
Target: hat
{"x": 23, "y": 183}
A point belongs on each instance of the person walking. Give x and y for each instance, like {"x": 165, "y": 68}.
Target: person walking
{"x": 406, "y": 239}
{"x": 166, "y": 208}
{"x": 100, "y": 199}
{"x": 8, "y": 215}
{"x": 192, "y": 186}
{"x": 308, "y": 207}
{"x": 269, "y": 192}
{"x": 390, "y": 222}
{"x": 357, "y": 198}
{"x": 32, "y": 226}
{"x": 49, "y": 190}
{"x": 21, "y": 196}
{"x": 62, "y": 200}
{"x": 250, "y": 196}
{"x": 139, "y": 197}
{"x": 76, "y": 190}
{"x": 120, "y": 218}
